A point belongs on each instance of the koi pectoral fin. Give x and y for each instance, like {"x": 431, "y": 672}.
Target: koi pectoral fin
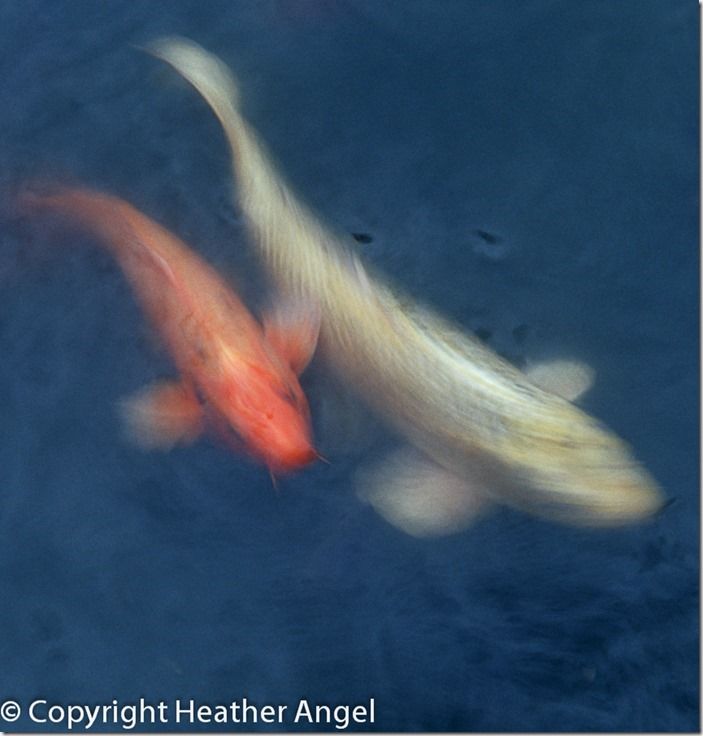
{"x": 421, "y": 498}
{"x": 292, "y": 329}
{"x": 162, "y": 415}
{"x": 569, "y": 379}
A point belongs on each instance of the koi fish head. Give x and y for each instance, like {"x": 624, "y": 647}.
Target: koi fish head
{"x": 583, "y": 474}
{"x": 272, "y": 418}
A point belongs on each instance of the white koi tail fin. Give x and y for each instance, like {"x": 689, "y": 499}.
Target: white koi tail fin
{"x": 204, "y": 71}
{"x": 290, "y": 238}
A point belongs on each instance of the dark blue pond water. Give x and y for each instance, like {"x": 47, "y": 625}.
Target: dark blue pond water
{"x": 530, "y": 169}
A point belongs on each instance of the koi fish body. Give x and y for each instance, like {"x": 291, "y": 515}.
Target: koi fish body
{"x": 233, "y": 375}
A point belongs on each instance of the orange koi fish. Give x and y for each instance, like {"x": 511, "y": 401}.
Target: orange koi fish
{"x": 235, "y": 376}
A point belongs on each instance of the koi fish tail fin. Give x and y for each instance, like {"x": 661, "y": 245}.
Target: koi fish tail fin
{"x": 102, "y": 214}
{"x": 205, "y": 72}
{"x": 284, "y": 229}
{"x": 82, "y": 206}
{"x": 36, "y": 199}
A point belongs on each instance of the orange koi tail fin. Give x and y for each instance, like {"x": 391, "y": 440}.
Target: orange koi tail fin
{"x": 99, "y": 213}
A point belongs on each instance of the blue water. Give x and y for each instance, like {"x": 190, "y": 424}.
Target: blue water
{"x": 530, "y": 169}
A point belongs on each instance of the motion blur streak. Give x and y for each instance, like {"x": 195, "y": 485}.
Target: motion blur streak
{"x": 470, "y": 413}
{"x": 232, "y": 377}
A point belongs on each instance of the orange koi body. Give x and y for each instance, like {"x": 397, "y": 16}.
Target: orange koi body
{"x": 234, "y": 375}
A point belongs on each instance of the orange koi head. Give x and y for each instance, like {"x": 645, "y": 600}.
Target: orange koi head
{"x": 271, "y": 417}
{"x": 255, "y": 391}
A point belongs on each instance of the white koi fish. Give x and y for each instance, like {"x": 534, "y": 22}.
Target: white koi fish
{"x": 481, "y": 429}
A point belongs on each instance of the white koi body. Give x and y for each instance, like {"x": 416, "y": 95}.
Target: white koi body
{"x": 456, "y": 401}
